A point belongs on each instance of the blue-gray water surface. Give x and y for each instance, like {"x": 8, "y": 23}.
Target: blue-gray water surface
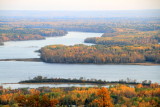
{"x": 14, "y": 71}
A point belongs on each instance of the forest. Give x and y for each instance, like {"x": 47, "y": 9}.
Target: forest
{"x": 113, "y": 96}
{"x": 127, "y": 37}
{"x": 101, "y": 54}
{"x": 9, "y": 33}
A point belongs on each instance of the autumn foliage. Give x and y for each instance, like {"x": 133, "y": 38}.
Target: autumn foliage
{"x": 101, "y": 54}
{"x": 126, "y": 38}
{"x": 103, "y": 98}
{"x": 20, "y": 33}
{"x": 114, "y": 96}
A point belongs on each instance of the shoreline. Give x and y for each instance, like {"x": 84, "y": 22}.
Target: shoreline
{"x": 81, "y": 80}
{"x": 25, "y": 59}
{"x": 39, "y": 60}
{"x": 56, "y": 83}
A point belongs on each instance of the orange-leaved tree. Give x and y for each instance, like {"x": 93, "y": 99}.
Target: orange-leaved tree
{"x": 103, "y": 98}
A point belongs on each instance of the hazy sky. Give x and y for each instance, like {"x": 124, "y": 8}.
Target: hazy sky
{"x": 78, "y": 4}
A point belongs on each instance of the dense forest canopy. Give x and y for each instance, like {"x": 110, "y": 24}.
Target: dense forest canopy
{"x": 101, "y": 54}
{"x": 113, "y": 96}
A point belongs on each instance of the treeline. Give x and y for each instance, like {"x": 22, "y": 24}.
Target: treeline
{"x": 40, "y": 79}
{"x": 113, "y": 96}
{"x": 18, "y": 33}
{"x": 83, "y": 25}
{"x": 101, "y": 54}
{"x": 72, "y": 26}
{"x": 98, "y": 25}
{"x": 19, "y": 28}
{"x": 126, "y": 38}
{"x": 79, "y": 24}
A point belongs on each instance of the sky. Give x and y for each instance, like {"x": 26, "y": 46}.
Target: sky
{"x": 79, "y": 4}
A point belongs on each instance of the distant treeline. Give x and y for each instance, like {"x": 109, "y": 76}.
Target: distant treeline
{"x": 98, "y": 25}
{"x": 38, "y": 28}
{"x": 101, "y": 54}
{"x": 40, "y": 79}
{"x": 12, "y": 28}
{"x": 74, "y": 26}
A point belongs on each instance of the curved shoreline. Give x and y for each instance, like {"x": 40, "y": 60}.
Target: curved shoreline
{"x": 39, "y": 60}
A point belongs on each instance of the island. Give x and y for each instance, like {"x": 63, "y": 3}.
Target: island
{"x": 81, "y": 80}
{"x": 101, "y": 54}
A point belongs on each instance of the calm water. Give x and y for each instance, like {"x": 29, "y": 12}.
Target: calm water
{"x": 25, "y": 49}
{"x": 13, "y": 71}
{"x": 14, "y": 86}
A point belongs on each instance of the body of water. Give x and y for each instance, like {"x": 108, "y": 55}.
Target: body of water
{"x": 14, "y": 71}
{"x": 25, "y": 49}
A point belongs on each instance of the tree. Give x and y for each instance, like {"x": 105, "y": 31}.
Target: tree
{"x": 103, "y": 98}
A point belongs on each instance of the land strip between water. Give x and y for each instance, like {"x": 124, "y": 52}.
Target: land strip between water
{"x": 40, "y": 60}
{"x": 25, "y": 59}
